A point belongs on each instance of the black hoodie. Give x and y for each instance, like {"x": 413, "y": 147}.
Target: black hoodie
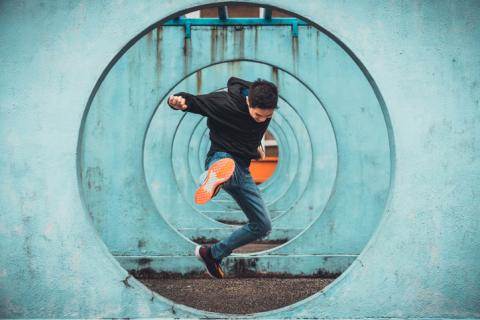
{"x": 232, "y": 129}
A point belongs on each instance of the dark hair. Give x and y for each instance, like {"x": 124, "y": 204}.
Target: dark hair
{"x": 263, "y": 94}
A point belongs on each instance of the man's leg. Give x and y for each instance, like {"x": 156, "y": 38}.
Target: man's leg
{"x": 215, "y": 164}
{"x": 246, "y": 193}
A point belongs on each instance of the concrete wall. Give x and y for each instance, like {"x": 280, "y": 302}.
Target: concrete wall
{"x": 423, "y": 259}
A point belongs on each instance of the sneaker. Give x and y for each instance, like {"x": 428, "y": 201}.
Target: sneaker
{"x": 217, "y": 175}
{"x": 213, "y": 267}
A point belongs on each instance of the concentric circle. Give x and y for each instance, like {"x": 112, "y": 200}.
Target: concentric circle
{"x": 287, "y": 186}
{"x": 132, "y": 170}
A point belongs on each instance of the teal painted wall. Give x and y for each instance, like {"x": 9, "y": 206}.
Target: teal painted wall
{"x": 421, "y": 262}
{"x": 327, "y": 117}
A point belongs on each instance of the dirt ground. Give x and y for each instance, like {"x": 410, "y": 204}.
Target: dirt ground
{"x": 255, "y": 247}
{"x": 236, "y": 295}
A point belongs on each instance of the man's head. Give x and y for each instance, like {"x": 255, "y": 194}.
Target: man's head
{"x": 262, "y": 100}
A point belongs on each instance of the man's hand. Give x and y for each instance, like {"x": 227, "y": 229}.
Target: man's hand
{"x": 261, "y": 152}
{"x": 177, "y": 102}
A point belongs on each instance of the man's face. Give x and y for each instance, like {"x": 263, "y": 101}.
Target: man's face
{"x": 258, "y": 114}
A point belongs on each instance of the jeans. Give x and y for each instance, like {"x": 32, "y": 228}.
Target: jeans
{"x": 243, "y": 189}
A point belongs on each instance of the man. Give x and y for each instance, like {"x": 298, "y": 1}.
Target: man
{"x": 237, "y": 120}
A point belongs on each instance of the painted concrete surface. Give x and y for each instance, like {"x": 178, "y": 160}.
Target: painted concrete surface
{"x": 421, "y": 263}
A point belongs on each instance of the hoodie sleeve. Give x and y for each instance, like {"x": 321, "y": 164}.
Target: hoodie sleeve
{"x": 208, "y": 105}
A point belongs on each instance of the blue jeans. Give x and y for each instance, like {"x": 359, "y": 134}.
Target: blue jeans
{"x": 243, "y": 189}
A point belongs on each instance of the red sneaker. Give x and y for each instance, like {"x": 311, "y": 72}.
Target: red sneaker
{"x": 213, "y": 266}
{"x": 217, "y": 175}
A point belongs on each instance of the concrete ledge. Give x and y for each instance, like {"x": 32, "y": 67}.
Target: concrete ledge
{"x": 220, "y": 233}
{"x": 297, "y": 265}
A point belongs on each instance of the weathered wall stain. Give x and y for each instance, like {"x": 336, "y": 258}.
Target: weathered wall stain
{"x": 159, "y": 43}
{"x": 199, "y": 81}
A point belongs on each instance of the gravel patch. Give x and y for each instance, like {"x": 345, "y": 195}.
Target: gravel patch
{"x": 236, "y": 295}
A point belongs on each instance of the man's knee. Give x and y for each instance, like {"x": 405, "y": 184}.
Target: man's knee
{"x": 264, "y": 228}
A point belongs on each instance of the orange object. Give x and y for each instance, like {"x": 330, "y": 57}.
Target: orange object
{"x": 261, "y": 170}
{"x": 217, "y": 174}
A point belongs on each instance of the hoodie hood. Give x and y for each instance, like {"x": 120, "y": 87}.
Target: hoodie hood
{"x": 237, "y": 88}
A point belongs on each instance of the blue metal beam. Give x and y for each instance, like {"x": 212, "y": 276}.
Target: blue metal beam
{"x": 188, "y": 31}
{"x": 295, "y": 29}
{"x": 234, "y": 21}
{"x": 188, "y": 22}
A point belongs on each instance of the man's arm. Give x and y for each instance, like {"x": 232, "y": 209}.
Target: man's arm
{"x": 208, "y": 105}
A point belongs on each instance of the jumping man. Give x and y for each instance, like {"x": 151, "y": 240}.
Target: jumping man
{"x": 237, "y": 120}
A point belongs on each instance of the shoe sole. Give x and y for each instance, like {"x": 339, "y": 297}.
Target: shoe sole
{"x": 199, "y": 257}
{"x": 217, "y": 175}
